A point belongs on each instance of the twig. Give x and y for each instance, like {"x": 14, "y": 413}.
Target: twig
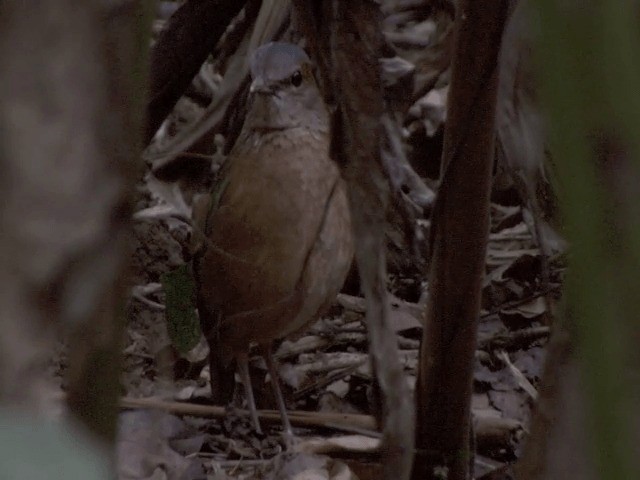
{"x": 520, "y": 301}
{"x": 514, "y": 340}
{"x": 329, "y": 379}
{"x": 340, "y": 421}
{"x": 489, "y": 429}
{"x": 523, "y": 382}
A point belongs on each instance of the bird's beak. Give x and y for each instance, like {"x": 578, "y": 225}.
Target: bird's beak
{"x": 258, "y": 86}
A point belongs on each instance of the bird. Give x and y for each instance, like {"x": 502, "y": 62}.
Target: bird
{"x": 277, "y": 240}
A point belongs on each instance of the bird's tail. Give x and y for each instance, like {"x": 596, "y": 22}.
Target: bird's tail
{"x": 221, "y": 366}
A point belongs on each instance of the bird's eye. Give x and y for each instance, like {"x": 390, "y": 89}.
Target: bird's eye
{"x": 296, "y": 78}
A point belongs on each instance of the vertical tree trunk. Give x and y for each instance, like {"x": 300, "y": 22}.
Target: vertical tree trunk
{"x": 459, "y": 236}
{"x": 71, "y": 124}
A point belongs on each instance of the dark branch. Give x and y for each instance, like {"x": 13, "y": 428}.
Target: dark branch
{"x": 190, "y": 35}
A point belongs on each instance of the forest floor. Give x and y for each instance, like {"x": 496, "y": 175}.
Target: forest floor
{"x": 167, "y": 429}
{"x": 326, "y": 373}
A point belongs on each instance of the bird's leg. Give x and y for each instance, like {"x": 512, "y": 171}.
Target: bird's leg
{"x": 243, "y": 370}
{"x": 277, "y": 392}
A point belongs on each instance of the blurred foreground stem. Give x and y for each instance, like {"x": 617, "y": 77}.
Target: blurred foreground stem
{"x": 590, "y": 75}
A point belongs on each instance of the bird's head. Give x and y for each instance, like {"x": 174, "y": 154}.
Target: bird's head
{"x": 283, "y": 92}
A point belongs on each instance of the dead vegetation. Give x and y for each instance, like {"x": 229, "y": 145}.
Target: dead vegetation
{"x": 350, "y": 380}
{"x": 328, "y": 375}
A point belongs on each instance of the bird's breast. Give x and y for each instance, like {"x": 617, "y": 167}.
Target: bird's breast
{"x": 269, "y": 218}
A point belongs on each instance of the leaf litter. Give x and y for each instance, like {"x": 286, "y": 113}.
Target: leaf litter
{"x": 326, "y": 371}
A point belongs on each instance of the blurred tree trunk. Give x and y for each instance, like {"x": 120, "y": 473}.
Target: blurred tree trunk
{"x": 555, "y": 448}
{"x": 584, "y": 421}
{"x": 459, "y": 237}
{"x": 70, "y": 137}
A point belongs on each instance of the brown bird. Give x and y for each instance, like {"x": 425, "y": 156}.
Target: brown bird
{"x": 278, "y": 234}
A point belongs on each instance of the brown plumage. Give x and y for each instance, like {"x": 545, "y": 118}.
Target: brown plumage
{"x": 279, "y": 241}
